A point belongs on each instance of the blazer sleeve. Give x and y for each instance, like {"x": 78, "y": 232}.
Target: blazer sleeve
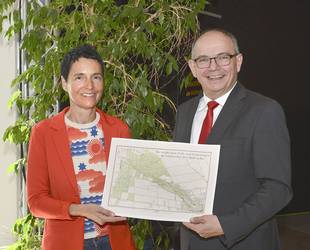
{"x": 125, "y": 131}
{"x": 40, "y": 201}
{"x": 117, "y": 129}
{"x": 272, "y": 165}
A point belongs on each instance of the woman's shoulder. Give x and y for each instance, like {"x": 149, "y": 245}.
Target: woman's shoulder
{"x": 114, "y": 126}
{"x": 110, "y": 119}
{"x": 48, "y": 122}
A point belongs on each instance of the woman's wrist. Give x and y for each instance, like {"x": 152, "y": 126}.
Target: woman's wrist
{"x": 75, "y": 209}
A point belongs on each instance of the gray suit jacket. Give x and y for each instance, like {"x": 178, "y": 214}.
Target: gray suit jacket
{"x": 254, "y": 173}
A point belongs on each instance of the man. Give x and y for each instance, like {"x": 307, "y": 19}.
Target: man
{"x": 253, "y": 181}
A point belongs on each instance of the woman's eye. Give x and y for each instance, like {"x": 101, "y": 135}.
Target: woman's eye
{"x": 98, "y": 78}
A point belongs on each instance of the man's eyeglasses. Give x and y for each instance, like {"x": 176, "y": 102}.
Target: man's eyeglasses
{"x": 223, "y": 59}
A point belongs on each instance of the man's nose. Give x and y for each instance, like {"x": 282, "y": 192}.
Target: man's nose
{"x": 213, "y": 63}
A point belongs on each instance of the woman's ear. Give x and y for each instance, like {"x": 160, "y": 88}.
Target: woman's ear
{"x": 64, "y": 84}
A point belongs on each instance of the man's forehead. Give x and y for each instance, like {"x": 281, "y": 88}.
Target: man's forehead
{"x": 213, "y": 39}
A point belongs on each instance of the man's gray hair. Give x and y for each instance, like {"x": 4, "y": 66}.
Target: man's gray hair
{"x": 225, "y": 32}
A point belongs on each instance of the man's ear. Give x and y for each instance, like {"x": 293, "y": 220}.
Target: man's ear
{"x": 239, "y": 58}
{"x": 192, "y": 66}
{"x": 64, "y": 84}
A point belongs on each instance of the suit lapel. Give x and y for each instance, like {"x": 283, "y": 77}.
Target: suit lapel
{"x": 228, "y": 113}
{"x": 60, "y": 139}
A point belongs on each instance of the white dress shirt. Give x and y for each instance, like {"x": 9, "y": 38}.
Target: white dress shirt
{"x": 201, "y": 113}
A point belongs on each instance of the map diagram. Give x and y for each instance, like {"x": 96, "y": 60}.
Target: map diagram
{"x": 158, "y": 183}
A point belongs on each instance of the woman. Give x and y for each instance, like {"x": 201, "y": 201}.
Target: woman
{"x": 67, "y": 163}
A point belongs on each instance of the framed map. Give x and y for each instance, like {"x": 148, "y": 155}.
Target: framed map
{"x": 158, "y": 180}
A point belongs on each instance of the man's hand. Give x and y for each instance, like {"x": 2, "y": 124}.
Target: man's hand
{"x": 206, "y": 226}
{"x": 95, "y": 213}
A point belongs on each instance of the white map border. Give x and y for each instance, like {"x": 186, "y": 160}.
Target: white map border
{"x": 157, "y": 214}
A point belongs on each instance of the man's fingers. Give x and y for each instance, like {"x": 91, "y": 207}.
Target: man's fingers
{"x": 190, "y": 225}
{"x": 196, "y": 228}
{"x": 196, "y": 220}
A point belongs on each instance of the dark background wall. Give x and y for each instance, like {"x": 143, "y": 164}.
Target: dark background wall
{"x": 274, "y": 37}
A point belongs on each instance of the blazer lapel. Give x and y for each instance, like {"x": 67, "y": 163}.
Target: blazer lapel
{"x": 106, "y": 128}
{"x": 229, "y": 111}
{"x": 60, "y": 138}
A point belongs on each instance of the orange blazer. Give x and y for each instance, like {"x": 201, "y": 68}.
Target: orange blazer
{"x": 52, "y": 185}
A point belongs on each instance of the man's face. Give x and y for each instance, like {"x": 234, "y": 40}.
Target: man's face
{"x": 84, "y": 84}
{"x": 215, "y": 80}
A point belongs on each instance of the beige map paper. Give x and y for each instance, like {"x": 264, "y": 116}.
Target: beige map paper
{"x": 158, "y": 180}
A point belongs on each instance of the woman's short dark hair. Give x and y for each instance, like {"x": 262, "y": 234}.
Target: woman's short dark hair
{"x": 85, "y": 51}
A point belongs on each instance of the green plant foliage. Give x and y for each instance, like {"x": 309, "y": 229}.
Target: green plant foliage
{"x": 140, "y": 231}
{"x": 29, "y": 231}
{"x": 141, "y": 42}
{"x": 15, "y": 166}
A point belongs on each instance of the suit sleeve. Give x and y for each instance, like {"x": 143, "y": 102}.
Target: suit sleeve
{"x": 180, "y": 132}
{"x": 40, "y": 201}
{"x": 272, "y": 164}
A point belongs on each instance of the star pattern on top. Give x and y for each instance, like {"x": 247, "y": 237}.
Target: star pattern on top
{"x": 94, "y": 131}
{"x": 82, "y": 166}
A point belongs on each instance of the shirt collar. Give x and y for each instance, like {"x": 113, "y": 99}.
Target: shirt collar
{"x": 221, "y": 100}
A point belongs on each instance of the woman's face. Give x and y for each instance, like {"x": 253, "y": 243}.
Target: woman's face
{"x": 84, "y": 84}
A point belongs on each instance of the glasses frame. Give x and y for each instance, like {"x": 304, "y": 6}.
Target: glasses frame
{"x": 215, "y": 58}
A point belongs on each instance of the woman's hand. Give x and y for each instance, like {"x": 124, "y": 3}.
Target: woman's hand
{"x": 94, "y": 212}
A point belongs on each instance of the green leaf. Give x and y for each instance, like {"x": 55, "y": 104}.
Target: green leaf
{"x": 169, "y": 68}
{"x": 17, "y": 94}
{"x": 15, "y": 166}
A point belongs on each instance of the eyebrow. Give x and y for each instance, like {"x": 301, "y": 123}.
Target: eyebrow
{"x": 221, "y": 53}
{"x": 80, "y": 74}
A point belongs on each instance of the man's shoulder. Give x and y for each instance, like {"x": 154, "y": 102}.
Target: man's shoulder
{"x": 259, "y": 103}
{"x": 189, "y": 103}
{"x": 260, "y": 99}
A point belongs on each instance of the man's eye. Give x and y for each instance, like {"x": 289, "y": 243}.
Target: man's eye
{"x": 203, "y": 59}
{"x": 223, "y": 57}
